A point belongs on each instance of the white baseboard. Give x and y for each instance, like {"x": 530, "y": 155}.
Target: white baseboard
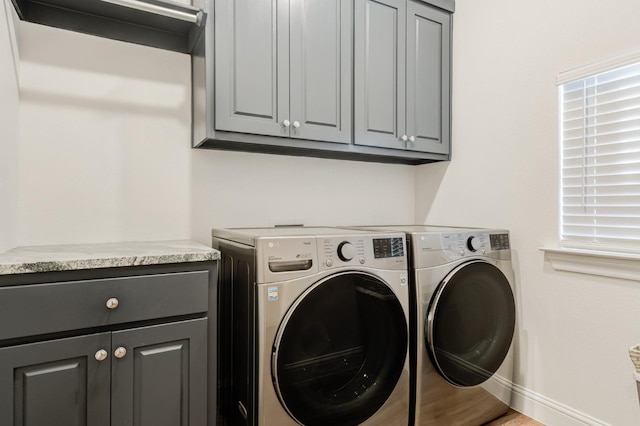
{"x": 548, "y": 411}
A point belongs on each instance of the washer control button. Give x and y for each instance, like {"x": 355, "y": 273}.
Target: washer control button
{"x": 329, "y": 263}
{"x": 362, "y": 260}
{"x": 346, "y": 251}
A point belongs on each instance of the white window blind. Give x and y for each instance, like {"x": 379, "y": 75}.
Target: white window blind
{"x": 600, "y": 164}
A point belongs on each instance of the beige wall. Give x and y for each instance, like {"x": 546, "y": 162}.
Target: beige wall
{"x": 574, "y": 330}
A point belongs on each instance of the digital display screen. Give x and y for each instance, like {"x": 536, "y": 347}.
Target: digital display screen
{"x": 387, "y": 247}
{"x": 499, "y": 241}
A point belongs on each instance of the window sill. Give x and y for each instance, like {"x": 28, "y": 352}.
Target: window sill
{"x": 613, "y": 265}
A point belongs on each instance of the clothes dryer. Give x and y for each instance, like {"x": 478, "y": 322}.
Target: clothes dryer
{"x": 313, "y": 327}
{"x": 462, "y": 325}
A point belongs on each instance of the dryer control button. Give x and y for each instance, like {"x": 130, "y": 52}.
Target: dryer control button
{"x": 346, "y": 251}
{"x": 362, "y": 260}
{"x": 329, "y": 263}
{"x": 473, "y": 243}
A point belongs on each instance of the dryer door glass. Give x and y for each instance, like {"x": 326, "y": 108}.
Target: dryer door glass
{"x": 340, "y": 350}
{"x": 470, "y": 323}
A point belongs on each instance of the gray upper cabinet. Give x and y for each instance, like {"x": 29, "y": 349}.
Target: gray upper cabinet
{"x": 428, "y": 79}
{"x": 402, "y": 75}
{"x": 380, "y": 72}
{"x": 360, "y": 80}
{"x": 283, "y": 68}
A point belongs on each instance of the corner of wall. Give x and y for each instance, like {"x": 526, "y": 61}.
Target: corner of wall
{"x": 9, "y": 114}
{"x": 13, "y": 22}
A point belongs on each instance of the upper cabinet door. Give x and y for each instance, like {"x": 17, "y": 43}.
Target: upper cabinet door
{"x": 428, "y": 78}
{"x": 252, "y": 66}
{"x": 379, "y": 83}
{"x": 320, "y": 64}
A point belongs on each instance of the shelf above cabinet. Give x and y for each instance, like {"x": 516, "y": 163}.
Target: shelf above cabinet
{"x": 157, "y": 23}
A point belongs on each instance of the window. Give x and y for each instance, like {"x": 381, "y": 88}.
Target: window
{"x": 600, "y": 158}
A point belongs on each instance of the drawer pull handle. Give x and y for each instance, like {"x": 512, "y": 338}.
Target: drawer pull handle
{"x": 101, "y": 355}
{"x": 120, "y": 352}
{"x": 112, "y": 303}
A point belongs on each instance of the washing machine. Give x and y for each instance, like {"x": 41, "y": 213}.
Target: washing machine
{"x": 313, "y": 326}
{"x": 463, "y": 323}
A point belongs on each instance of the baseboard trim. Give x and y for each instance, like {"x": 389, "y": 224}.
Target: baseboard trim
{"x": 548, "y": 411}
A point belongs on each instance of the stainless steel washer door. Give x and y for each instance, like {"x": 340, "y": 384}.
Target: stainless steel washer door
{"x": 470, "y": 323}
{"x": 340, "y": 350}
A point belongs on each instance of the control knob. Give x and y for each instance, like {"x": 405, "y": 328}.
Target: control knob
{"x": 346, "y": 251}
{"x": 473, "y": 243}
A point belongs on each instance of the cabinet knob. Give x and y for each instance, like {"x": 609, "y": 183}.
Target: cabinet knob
{"x": 101, "y": 355}
{"x": 403, "y": 138}
{"x": 112, "y": 303}
{"x": 412, "y": 138}
{"x": 120, "y": 352}
{"x": 286, "y": 123}
{"x": 296, "y": 124}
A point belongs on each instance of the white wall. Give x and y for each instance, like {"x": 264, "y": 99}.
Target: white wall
{"x": 105, "y": 156}
{"x": 9, "y": 139}
{"x": 574, "y": 330}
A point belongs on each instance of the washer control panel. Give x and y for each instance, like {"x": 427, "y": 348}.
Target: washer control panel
{"x": 298, "y": 256}
{"x": 384, "y": 252}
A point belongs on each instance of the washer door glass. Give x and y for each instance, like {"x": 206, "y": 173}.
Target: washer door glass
{"x": 340, "y": 350}
{"x": 470, "y": 323}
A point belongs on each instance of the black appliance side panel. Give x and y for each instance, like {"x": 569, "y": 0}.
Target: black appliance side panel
{"x": 237, "y": 367}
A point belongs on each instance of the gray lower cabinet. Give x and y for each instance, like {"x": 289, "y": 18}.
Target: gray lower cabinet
{"x": 136, "y": 346}
{"x": 161, "y": 377}
{"x": 402, "y": 75}
{"x": 283, "y": 68}
{"x": 150, "y": 376}
{"x": 56, "y": 383}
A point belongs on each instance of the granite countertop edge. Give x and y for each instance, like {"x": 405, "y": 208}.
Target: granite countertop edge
{"x": 69, "y": 257}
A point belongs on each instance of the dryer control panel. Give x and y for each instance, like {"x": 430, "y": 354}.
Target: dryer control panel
{"x": 439, "y": 248}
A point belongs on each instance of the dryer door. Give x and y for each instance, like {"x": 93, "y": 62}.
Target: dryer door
{"x": 470, "y": 323}
{"x": 340, "y": 350}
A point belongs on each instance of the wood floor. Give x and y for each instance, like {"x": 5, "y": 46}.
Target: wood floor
{"x": 513, "y": 418}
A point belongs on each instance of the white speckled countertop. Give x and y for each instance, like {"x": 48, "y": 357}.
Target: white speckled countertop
{"x": 24, "y": 260}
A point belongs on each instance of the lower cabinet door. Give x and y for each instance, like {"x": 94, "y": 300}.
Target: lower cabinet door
{"x": 159, "y": 375}
{"x": 61, "y": 382}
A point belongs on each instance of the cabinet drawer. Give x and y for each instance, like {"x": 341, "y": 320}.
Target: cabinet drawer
{"x": 53, "y": 307}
